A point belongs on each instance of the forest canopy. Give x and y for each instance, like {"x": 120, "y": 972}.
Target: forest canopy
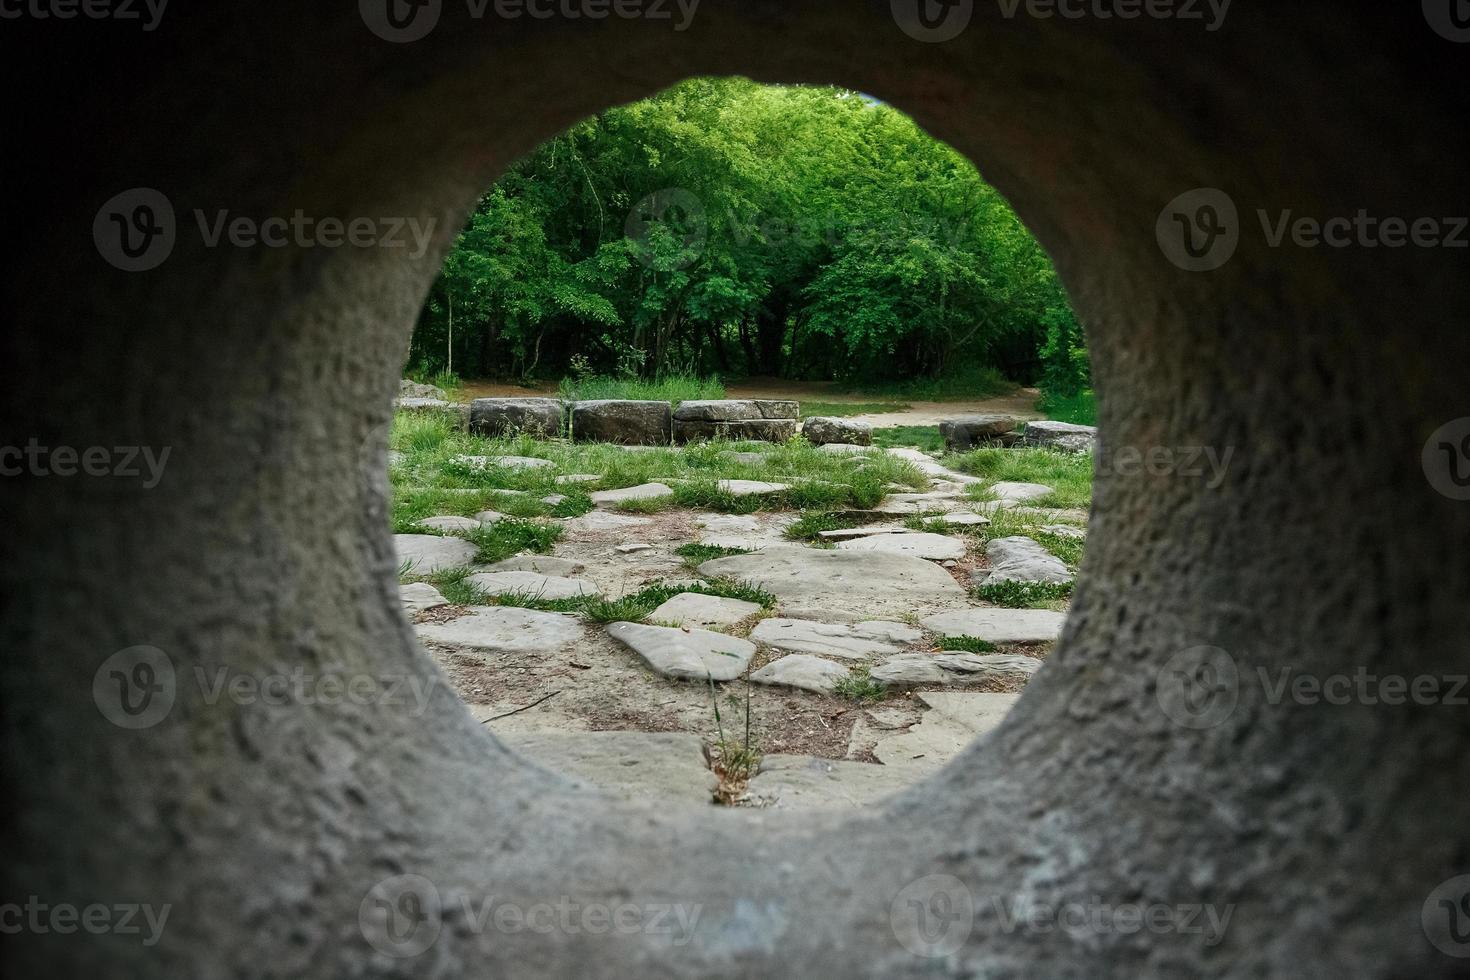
{"x": 738, "y": 229}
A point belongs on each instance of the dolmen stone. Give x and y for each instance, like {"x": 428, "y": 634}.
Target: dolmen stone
{"x": 628, "y": 423}
{"x": 1061, "y": 435}
{"x": 825, "y": 430}
{"x": 1021, "y": 559}
{"x": 756, "y": 419}
{"x": 511, "y": 416}
{"x": 966, "y": 432}
{"x": 804, "y": 672}
{"x": 695, "y": 655}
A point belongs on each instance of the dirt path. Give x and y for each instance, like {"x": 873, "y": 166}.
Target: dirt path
{"x": 1020, "y": 403}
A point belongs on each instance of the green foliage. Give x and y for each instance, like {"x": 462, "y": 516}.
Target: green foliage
{"x": 1024, "y": 595}
{"x": 666, "y": 388}
{"x": 511, "y": 536}
{"x": 1079, "y": 409}
{"x": 1068, "y": 474}
{"x": 966, "y": 382}
{"x": 695, "y": 553}
{"x": 802, "y": 231}
{"x": 858, "y": 686}
{"x": 842, "y": 410}
{"x": 925, "y": 437}
{"x": 636, "y": 607}
{"x": 810, "y": 525}
{"x": 966, "y": 644}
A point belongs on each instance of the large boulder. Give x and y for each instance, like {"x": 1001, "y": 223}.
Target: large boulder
{"x": 1060, "y": 435}
{"x": 735, "y": 410}
{"x": 643, "y": 423}
{"x": 759, "y": 430}
{"x": 822, "y": 430}
{"x": 968, "y": 431}
{"x": 510, "y": 416}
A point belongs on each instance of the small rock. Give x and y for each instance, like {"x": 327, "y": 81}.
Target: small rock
{"x": 554, "y": 499}
{"x": 996, "y": 664}
{"x": 844, "y": 449}
{"x": 644, "y": 491}
{"x": 908, "y": 670}
{"x": 578, "y": 478}
{"x": 696, "y": 654}
{"x": 932, "y": 547}
{"x": 450, "y": 524}
{"x": 748, "y": 459}
{"x": 701, "y": 611}
{"x": 822, "y": 430}
{"x": 1023, "y": 560}
{"x": 420, "y": 596}
{"x": 968, "y": 431}
{"x": 1060, "y": 435}
{"x": 488, "y": 517}
{"x": 1014, "y": 493}
{"x": 965, "y": 519}
{"x": 999, "y": 625}
{"x": 599, "y": 521}
{"x": 802, "y": 671}
{"x": 1065, "y": 531}
{"x": 425, "y": 554}
{"x": 533, "y": 584}
{"x": 751, "y": 488}
{"x": 628, "y": 549}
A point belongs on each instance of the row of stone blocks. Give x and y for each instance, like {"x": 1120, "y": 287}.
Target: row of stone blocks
{"x": 636, "y": 423}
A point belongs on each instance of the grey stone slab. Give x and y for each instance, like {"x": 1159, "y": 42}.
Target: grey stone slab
{"x": 682, "y": 654}
{"x": 426, "y": 554}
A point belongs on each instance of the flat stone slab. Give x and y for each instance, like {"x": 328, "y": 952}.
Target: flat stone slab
{"x": 804, "y": 672}
{"x": 488, "y": 517}
{"x": 1065, "y": 531}
{"x": 507, "y": 630}
{"x": 844, "y": 449}
{"x": 426, "y": 554}
{"x": 694, "y": 654}
{"x": 1015, "y": 493}
{"x": 420, "y": 596}
{"x": 951, "y": 725}
{"x": 989, "y": 664}
{"x": 872, "y": 583}
{"x": 1060, "y": 435}
{"x": 853, "y": 533}
{"x": 532, "y": 584}
{"x": 980, "y": 713}
{"x": 644, "y": 491}
{"x": 824, "y": 430}
{"x": 505, "y": 462}
{"x": 450, "y": 525}
{"x": 798, "y": 782}
{"x": 999, "y": 625}
{"x": 578, "y": 478}
{"x": 908, "y": 504}
{"x": 599, "y": 521}
{"x": 542, "y": 564}
{"x": 1021, "y": 559}
{"x": 965, "y": 519}
{"x": 751, "y": 488}
{"x": 855, "y": 641}
{"x": 910, "y": 669}
{"x": 933, "y": 547}
{"x": 735, "y": 410}
{"x": 629, "y": 766}
{"x": 930, "y": 466}
{"x": 699, "y": 611}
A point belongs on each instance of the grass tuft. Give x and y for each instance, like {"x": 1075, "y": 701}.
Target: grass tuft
{"x": 1024, "y": 595}
{"x": 967, "y": 644}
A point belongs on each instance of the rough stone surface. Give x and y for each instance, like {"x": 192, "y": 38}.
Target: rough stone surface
{"x": 909, "y": 504}
{"x": 694, "y": 609}
{"x": 540, "y": 564}
{"x": 426, "y": 554}
{"x": 822, "y": 431}
{"x": 1060, "y": 435}
{"x": 597, "y": 521}
{"x": 644, "y": 491}
{"x": 873, "y": 583}
{"x": 419, "y": 596}
{"x": 934, "y": 547}
{"x": 999, "y": 625}
{"x": 968, "y": 431}
{"x": 855, "y": 641}
{"x": 801, "y": 671}
{"x": 579, "y": 478}
{"x": 449, "y": 524}
{"x": 1021, "y": 559}
{"x": 1014, "y": 493}
{"x": 415, "y": 389}
{"x": 952, "y": 723}
{"x": 532, "y": 584}
{"x": 694, "y": 655}
{"x": 629, "y": 766}
{"x": 735, "y": 410}
{"x": 751, "y": 488}
{"x": 845, "y": 449}
{"x": 804, "y": 783}
{"x": 506, "y": 630}
{"x": 644, "y": 423}
{"x": 866, "y": 531}
{"x": 910, "y": 669}
{"x": 755, "y": 430}
{"x": 988, "y": 664}
{"x": 487, "y": 517}
{"x": 509, "y": 416}
{"x": 1066, "y": 531}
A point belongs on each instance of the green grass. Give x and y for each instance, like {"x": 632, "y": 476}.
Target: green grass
{"x": 967, "y": 644}
{"x": 925, "y": 437}
{"x": 843, "y": 410}
{"x": 1079, "y": 409}
{"x": 810, "y": 525}
{"x": 1025, "y": 595}
{"x": 859, "y": 687}
{"x": 697, "y": 554}
{"x": 1006, "y": 523}
{"x": 637, "y": 606}
{"x": 973, "y": 383}
{"x": 509, "y": 537}
{"x": 454, "y": 586}
{"x": 1068, "y": 474}
{"x": 669, "y": 388}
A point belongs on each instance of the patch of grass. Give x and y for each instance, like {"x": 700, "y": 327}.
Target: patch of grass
{"x": 695, "y": 553}
{"x": 1024, "y": 595}
{"x": 668, "y": 388}
{"x": 859, "y": 687}
{"x": 733, "y": 763}
{"x": 924, "y": 437}
{"x": 967, "y": 644}
{"x": 1079, "y": 409}
{"x": 1068, "y": 474}
{"x": 454, "y": 585}
{"x": 810, "y": 525}
{"x": 843, "y": 410}
{"x": 645, "y": 505}
{"x": 637, "y": 606}
{"x": 534, "y": 600}
{"x": 971, "y": 383}
{"x": 512, "y": 536}
{"x": 1006, "y": 523}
